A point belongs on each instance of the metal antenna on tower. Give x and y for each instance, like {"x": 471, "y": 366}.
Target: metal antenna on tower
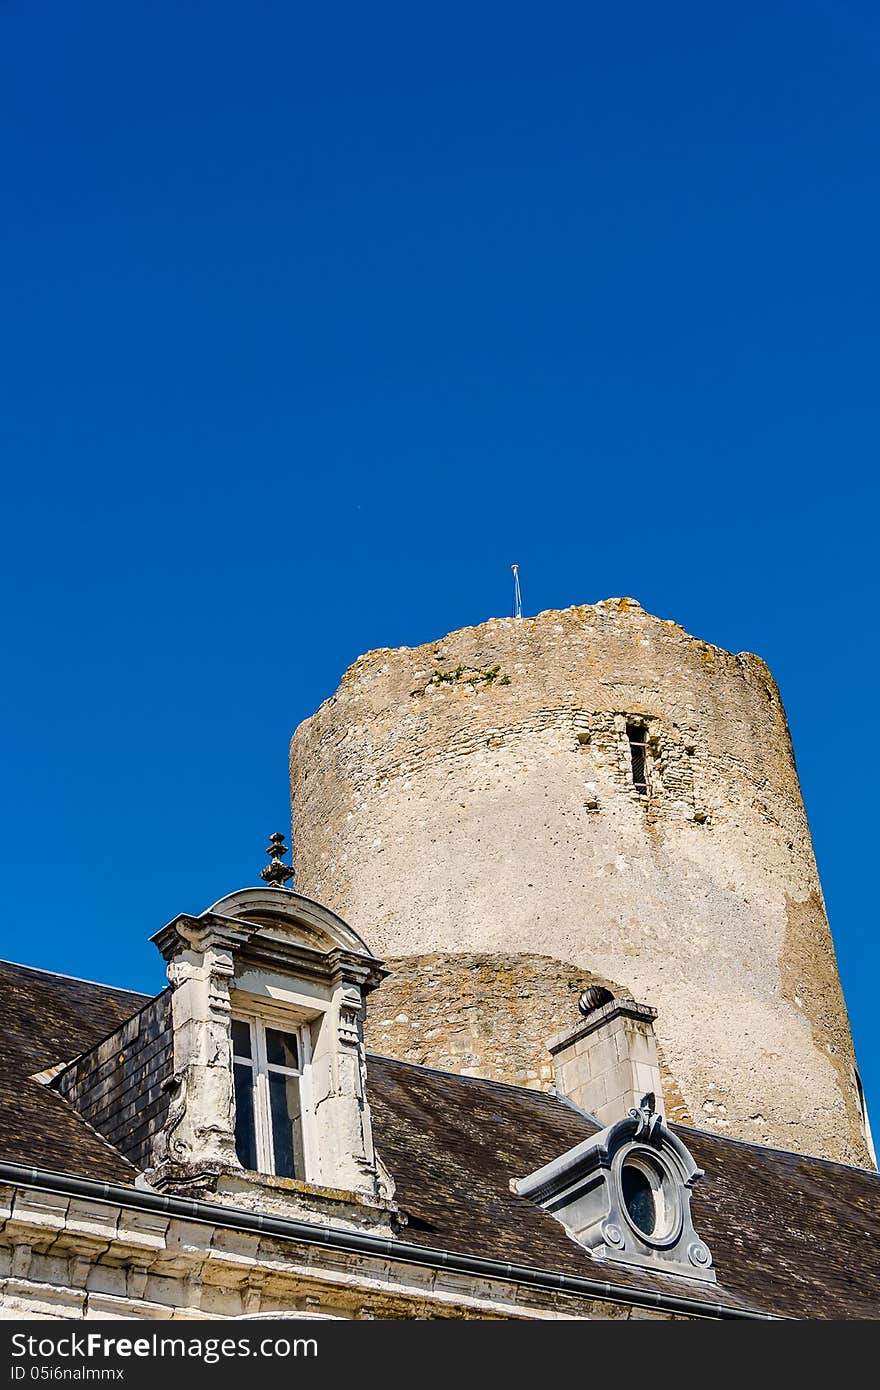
{"x": 517, "y": 595}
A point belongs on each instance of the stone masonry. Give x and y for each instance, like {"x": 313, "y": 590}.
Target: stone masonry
{"x": 607, "y": 1062}
{"x": 476, "y": 799}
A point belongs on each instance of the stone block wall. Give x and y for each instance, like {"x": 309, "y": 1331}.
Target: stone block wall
{"x": 475, "y": 1014}
{"x": 608, "y": 1061}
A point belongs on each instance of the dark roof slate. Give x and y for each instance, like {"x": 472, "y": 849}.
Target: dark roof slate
{"x": 792, "y": 1236}
{"x": 46, "y": 1019}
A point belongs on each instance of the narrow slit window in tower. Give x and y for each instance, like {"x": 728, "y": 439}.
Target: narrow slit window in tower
{"x": 638, "y": 749}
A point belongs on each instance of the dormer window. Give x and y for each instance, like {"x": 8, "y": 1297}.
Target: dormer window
{"x": 270, "y": 1067}
{"x": 267, "y": 1094}
{"x": 625, "y": 1194}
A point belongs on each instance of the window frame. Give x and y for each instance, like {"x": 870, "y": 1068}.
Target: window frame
{"x": 261, "y": 1067}
{"x": 635, "y": 726}
{"x": 665, "y": 1189}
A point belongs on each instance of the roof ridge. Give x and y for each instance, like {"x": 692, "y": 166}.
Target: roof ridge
{"x": 78, "y": 979}
{"x": 479, "y": 1080}
{"x": 773, "y": 1149}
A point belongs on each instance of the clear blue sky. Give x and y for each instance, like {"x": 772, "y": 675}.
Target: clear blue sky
{"x": 315, "y": 317}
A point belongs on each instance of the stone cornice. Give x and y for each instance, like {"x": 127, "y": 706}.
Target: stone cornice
{"x": 98, "y": 1213}
{"x": 263, "y": 945}
{"x": 333, "y": 966}
{"x": 186, "y": 933}
{"x": 616, "y": 1008}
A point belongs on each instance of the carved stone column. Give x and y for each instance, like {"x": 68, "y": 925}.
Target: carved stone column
{"x": 198, "y": 1140}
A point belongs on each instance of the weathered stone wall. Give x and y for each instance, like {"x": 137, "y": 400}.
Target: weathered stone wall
{"x": 475, "y": 1014}
{"x": 480, "y": 1015}
{"x": 119, "y": 1087}
{"x": 475, "y": 796}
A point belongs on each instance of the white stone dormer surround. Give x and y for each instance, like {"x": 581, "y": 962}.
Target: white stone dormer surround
{"x": 275, "y": 961}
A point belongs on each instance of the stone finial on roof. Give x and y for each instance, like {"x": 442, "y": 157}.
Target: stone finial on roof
{"x": 277, "y": 873}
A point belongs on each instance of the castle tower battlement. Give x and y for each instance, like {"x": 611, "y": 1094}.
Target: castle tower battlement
{"x": 596, "y": 788}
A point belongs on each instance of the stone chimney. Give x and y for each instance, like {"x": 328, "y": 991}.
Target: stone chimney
{"x": 608, "y": 1061}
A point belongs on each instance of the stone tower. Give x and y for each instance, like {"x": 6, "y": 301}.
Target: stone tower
{"x": 531, "y": 804}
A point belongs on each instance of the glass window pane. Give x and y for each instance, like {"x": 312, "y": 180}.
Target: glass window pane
{"x": 245, "y": 1133}
{"x": 638, "y": 1195}
{"x": 241, "y": 1038}
{"x": 286, "y": 1110}
{"x": 281, "y": 1049}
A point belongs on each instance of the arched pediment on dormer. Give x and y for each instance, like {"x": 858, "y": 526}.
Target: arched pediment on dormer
{"x": 277, "y": 929}
{"x": 296, "y": 918}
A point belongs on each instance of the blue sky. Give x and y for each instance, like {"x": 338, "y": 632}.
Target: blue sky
{"x": 317, "y": 317}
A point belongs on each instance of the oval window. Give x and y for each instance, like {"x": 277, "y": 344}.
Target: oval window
{"x": 648, "y": 1194}
{"x": 638, "y": 1197}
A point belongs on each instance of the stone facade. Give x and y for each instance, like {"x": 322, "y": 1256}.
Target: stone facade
{"x": 81, "y": 1257}
{"x": 476, "y": 797}
{"x": 270, "y": 952}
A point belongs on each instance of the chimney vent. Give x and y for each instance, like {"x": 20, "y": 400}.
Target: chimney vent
{"x": 593, "y": 998}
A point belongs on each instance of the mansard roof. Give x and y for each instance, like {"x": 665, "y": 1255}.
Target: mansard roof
{"x": 46, "y": 1019}
{"x": 791, "y": 1236}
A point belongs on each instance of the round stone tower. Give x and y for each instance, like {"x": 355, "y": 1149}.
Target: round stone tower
{"x": 522, "y": 807}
